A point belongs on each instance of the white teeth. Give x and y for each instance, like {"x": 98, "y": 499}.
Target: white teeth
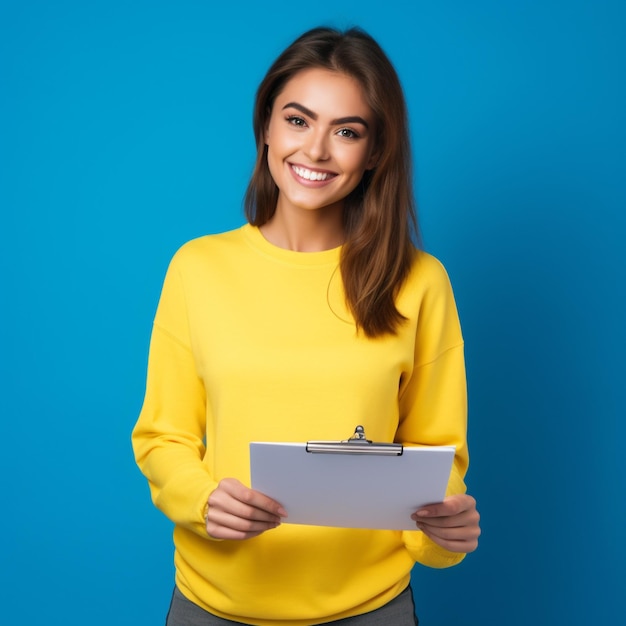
{"x": 308, "y": 174}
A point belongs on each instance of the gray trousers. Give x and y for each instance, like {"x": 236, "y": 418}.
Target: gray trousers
{"x": 399, "y": 612}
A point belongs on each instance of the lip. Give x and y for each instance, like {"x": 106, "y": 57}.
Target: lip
{"x": 311, "y": 183}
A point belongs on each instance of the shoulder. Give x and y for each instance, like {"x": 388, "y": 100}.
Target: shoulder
{"x": 427, "y": 293}
{"x": 429, "y": 264}
{"x": 208, "y": 248}
{"x": 427, "y": 275}
{"x": 427, "y": 299}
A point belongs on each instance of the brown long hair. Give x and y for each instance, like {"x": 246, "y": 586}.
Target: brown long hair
{"x": 379, "y": 215}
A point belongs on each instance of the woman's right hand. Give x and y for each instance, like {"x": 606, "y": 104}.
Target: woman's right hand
{"x": 237, "y": 512}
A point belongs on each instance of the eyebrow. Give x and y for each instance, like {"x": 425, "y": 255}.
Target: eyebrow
{"x": 340, "y": 120}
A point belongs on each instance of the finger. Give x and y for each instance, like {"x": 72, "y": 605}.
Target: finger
{"x": 451, "y": 505}
{"x": 226, "y": 505}
{"x": 460, "y": 533}
{"x": 224, "y": 525}
{"x": 252, "y": 498}
{"x": 465, "y": 518}
{"x": 452, "y": 541}
{"x": 223, "y": 532}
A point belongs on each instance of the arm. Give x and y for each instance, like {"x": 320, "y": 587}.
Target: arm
{"x": 168, "y": 438}
{"x": 433, "y": 411}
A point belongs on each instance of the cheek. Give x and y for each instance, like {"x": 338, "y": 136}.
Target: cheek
{"x": 355, "y": 163}
{"x": 280, "y": 144}
{"x": 275, "y": 160}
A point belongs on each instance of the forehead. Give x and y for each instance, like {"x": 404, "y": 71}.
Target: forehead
{"x": 323, "y": 91}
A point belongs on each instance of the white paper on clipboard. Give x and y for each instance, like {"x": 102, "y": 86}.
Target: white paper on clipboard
{"x": 351, "y": 490}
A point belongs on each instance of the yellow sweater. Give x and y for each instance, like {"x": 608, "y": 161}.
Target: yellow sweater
{"x": 254, "y": 343}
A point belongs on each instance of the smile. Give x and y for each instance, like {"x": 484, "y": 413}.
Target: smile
{"x": 307, "y": 174}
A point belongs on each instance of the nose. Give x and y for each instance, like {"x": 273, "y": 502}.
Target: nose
{"x": 316, "y": 147}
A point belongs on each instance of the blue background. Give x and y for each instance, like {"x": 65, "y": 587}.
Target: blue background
{"x": 125, "y": 130}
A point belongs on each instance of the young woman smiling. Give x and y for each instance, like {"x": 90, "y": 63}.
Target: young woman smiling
{"x": 319, "y": 145}
{"x": 317, "y": 315}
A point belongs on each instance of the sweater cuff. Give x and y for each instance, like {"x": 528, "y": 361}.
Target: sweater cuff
{"x": 426, "y": 552}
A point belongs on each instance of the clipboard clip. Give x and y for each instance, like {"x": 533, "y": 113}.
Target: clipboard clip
{"x": 356, "y": 444}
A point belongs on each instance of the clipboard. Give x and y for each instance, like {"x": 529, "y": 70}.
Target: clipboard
{"x": 353, "y": 483}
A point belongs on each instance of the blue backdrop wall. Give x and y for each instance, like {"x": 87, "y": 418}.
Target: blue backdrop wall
{"x": 125, "y": 131}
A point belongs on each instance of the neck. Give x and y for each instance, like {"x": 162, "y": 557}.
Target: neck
{"x": 306, "y": 230}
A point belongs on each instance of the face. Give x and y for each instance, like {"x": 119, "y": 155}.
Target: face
{"x": 320, "y": 140}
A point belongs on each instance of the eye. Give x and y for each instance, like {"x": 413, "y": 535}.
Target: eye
{"x": 296, "y": 120}
{"x": 348, "y": 133}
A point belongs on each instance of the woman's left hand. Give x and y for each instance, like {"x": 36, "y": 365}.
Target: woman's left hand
{"x": 453, "y": 524}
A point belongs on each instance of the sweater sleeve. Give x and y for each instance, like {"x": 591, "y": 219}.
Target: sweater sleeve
{"x": 168, "y": 439}
{"x": 433, "y": 401}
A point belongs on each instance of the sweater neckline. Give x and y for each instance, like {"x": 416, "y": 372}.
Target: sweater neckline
{"x": 256, "y": 239}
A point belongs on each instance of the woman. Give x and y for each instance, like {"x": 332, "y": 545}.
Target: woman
{"x": 317, "y": 315}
